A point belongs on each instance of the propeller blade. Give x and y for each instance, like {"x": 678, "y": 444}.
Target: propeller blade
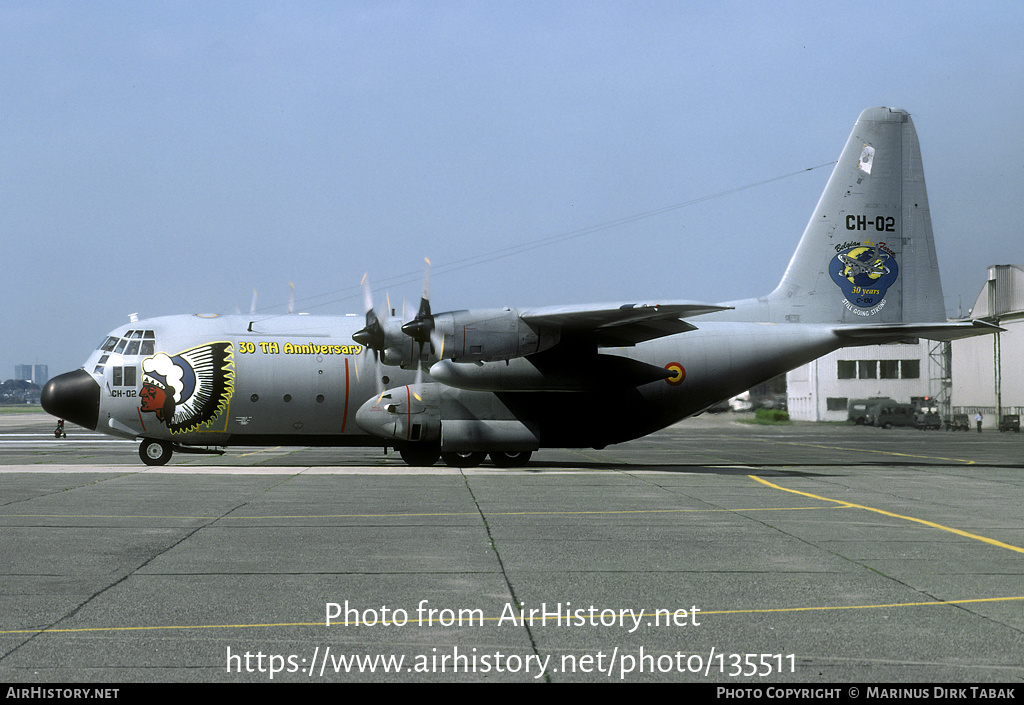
{"x": 364, "y": 284}
{"x": 421, "y": 326}
{"x": 378, "y": 382}
{"x": 419, "y": 381}
{"x": 437, "y": 343}
{"x": 426, "y": 286}
{"x": 372, "y": 334}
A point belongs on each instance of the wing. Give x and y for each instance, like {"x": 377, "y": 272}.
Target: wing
{"x": 620, "y": 324}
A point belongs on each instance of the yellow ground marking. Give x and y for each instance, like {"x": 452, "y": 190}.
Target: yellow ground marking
{"x": 261, "y": 451}
{"x": 843, "y": 503}
{"x": 427, "y": 622}
{"x": 873, "y": 450}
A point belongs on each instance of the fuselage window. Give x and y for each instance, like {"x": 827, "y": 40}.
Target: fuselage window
{"x": 124, "y": 376}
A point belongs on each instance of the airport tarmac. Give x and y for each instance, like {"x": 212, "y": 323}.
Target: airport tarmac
{"x": 711, "y": 552}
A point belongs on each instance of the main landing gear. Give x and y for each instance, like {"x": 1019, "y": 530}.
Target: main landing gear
{"x": 463, "y": 460}
{"x": 511, "y": 459}
{"x": 421, "y": 455}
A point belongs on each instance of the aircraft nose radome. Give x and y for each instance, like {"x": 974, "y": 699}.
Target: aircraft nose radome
{"x": 74, "y": 396}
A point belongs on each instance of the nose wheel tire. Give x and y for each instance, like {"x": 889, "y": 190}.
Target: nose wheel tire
{"x": 155, "y": 452}
{"x": 463, "y": 460}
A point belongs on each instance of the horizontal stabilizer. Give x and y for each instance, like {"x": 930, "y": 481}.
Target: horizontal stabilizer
{"x": 872, "y": 334}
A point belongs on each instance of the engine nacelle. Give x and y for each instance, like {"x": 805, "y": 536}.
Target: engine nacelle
{"x": 405, "y": 356}
{"x": 486, "y": 335}
{"x": 489, "y": 335}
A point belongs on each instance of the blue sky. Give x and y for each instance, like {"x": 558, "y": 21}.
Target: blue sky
{"x": 170, "y": 157}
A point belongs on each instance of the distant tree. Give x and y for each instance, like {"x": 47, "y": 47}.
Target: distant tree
{"x": 18, "y": 391}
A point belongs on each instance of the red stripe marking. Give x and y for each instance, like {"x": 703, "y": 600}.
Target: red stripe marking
{"x": 408, "y": 414}
{"x": 344, "y": 415}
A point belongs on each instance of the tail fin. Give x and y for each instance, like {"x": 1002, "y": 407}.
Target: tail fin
{"x": 867, "y": 255}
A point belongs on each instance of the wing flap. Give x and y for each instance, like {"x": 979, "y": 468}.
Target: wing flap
{"x": 625, "y": 324}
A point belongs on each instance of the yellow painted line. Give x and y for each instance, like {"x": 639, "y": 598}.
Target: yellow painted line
{"x": 261, "y": 451}
{"x": 430, "y": 621}
{"x": 872, "y": 450}
{"x": 866, "y": 607}
{"x": 932, "y": 524}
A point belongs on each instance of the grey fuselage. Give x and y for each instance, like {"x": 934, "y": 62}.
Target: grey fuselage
{"x": 301, "y": 380}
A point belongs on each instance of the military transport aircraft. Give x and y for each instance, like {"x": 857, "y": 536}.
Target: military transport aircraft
{"x": 463, "y": 384}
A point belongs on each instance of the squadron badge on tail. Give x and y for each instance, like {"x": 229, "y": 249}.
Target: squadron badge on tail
{"x": 864, "y": 272}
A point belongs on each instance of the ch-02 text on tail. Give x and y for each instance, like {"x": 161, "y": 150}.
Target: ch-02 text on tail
{"x": 506, "y": 382}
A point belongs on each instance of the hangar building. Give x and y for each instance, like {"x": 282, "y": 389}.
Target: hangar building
{"x": 988, "y": 371}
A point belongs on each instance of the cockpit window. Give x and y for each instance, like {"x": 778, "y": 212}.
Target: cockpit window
{"x": 134, "y": 342}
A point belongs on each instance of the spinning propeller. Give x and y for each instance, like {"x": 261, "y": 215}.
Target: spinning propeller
{"x": 421, "y": 327}
{"x": 372, "y": 335}
{"x": 384, "y": 339}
